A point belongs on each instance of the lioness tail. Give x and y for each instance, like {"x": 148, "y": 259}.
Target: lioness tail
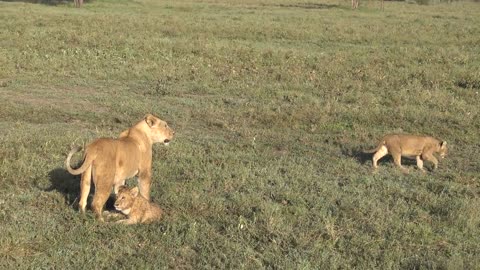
{"x": 86, "y": 163}
{"x": 375, "y": 149}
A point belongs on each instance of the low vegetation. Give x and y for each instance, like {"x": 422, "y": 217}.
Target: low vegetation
{"x": 272, "y": 102}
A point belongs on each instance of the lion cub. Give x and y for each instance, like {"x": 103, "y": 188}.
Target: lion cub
{"x": 136, "y": 207}
{"x": 420, "y": 147}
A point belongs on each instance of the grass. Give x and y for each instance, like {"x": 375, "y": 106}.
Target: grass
{"x": 272, "y": 102}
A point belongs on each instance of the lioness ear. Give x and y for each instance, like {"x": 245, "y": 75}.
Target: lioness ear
{"x": 443, "y": 144}
{"x": 150, "y": 119}
{"x": 134, "y": 191}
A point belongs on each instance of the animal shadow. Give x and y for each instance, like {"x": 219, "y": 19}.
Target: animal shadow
{"x": 363, "y": 157}
{"x": 69, "y": 185}
{"x": 45, "y": 2}
{"x": 309, "y": 6}
{"x": 357, "y": 153}
{"x": 62, "y": 181}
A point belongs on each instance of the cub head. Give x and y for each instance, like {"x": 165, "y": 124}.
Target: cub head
{"x": 125, "y": 199}
{"x": 443, "y": 150}
{"x": 160, "y": 131}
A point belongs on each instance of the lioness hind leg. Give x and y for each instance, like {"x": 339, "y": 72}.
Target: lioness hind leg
{"x": 85, "y": 188}
{"x": 103, "y": 188}
{"x": 378, "y": 155}
{"x": 99, "y": 200}
{"x": 103, "y": 179}
{"x": 420, "y": 163}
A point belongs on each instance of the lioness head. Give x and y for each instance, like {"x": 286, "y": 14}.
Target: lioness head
{"x": 125, "y": 199}
{"x": 443, "y": 150}
{"x": 160, "y": 131}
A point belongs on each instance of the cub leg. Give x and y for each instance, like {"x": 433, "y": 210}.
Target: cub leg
{"x": 85, "y": 188}
{"x": 114, "y": 215}
{"x": 127, "y": 221}
{"x": 378, "y": 155}
{"x": 420, "y": 163}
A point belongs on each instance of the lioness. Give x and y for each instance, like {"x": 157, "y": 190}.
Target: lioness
{"x": 398, "y": 145}
{"x": 136, "y": 207}
{"x": 112, "y": 161}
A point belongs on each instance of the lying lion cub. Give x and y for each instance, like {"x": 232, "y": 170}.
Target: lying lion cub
{"x": 136, "y": 207}
{"x": 111, "y": 161}
{"x": 398, "y": 145}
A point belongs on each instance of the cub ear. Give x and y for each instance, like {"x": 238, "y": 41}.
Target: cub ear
{"x": 134, "y": 191}
{"x": 122, "y": 188}
{"x": 150, "y": 119}
{"x": 443, "y": 144}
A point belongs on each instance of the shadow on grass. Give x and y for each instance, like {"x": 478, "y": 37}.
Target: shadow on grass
{"x": 356, "y": 153}
{"x": 46, "y": 2}
{"x": 69, "y": 185}
{"x": 309, "y": 5}
{"x": 364, "y": 158}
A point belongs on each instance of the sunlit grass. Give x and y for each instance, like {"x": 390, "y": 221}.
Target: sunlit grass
{"x": 272, "y": 102}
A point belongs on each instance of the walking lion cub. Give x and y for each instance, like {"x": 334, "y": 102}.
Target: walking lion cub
{"x": 136, "y": 207}
{"x": 420, "y": 147}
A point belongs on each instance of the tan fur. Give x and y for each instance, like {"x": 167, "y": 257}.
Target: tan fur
{"x": 136, "y": 207}
{"x": 420, "y": 147}
{"x": 78, "y": 3}
{"x": 112, "y": 161}
{"x": 355, "y": 4}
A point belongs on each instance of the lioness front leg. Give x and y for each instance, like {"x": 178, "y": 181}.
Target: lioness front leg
{"x": 397, "y": 159}
{"x": 117, "y": 185}
{"x": 431, "y": 158}
{"x": 144, "y": 183}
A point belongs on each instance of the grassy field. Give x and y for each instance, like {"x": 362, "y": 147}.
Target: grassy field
{"x": 272, "y": 102}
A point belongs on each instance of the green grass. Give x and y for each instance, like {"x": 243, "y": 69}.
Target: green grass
{"x": 272, "y": 102}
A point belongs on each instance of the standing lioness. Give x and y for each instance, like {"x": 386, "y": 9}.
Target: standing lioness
{"x": 420, "y": 147}
{"x": 112, "y": 161}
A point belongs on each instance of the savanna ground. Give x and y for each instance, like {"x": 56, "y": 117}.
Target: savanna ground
{"x": 272, "y": 102}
